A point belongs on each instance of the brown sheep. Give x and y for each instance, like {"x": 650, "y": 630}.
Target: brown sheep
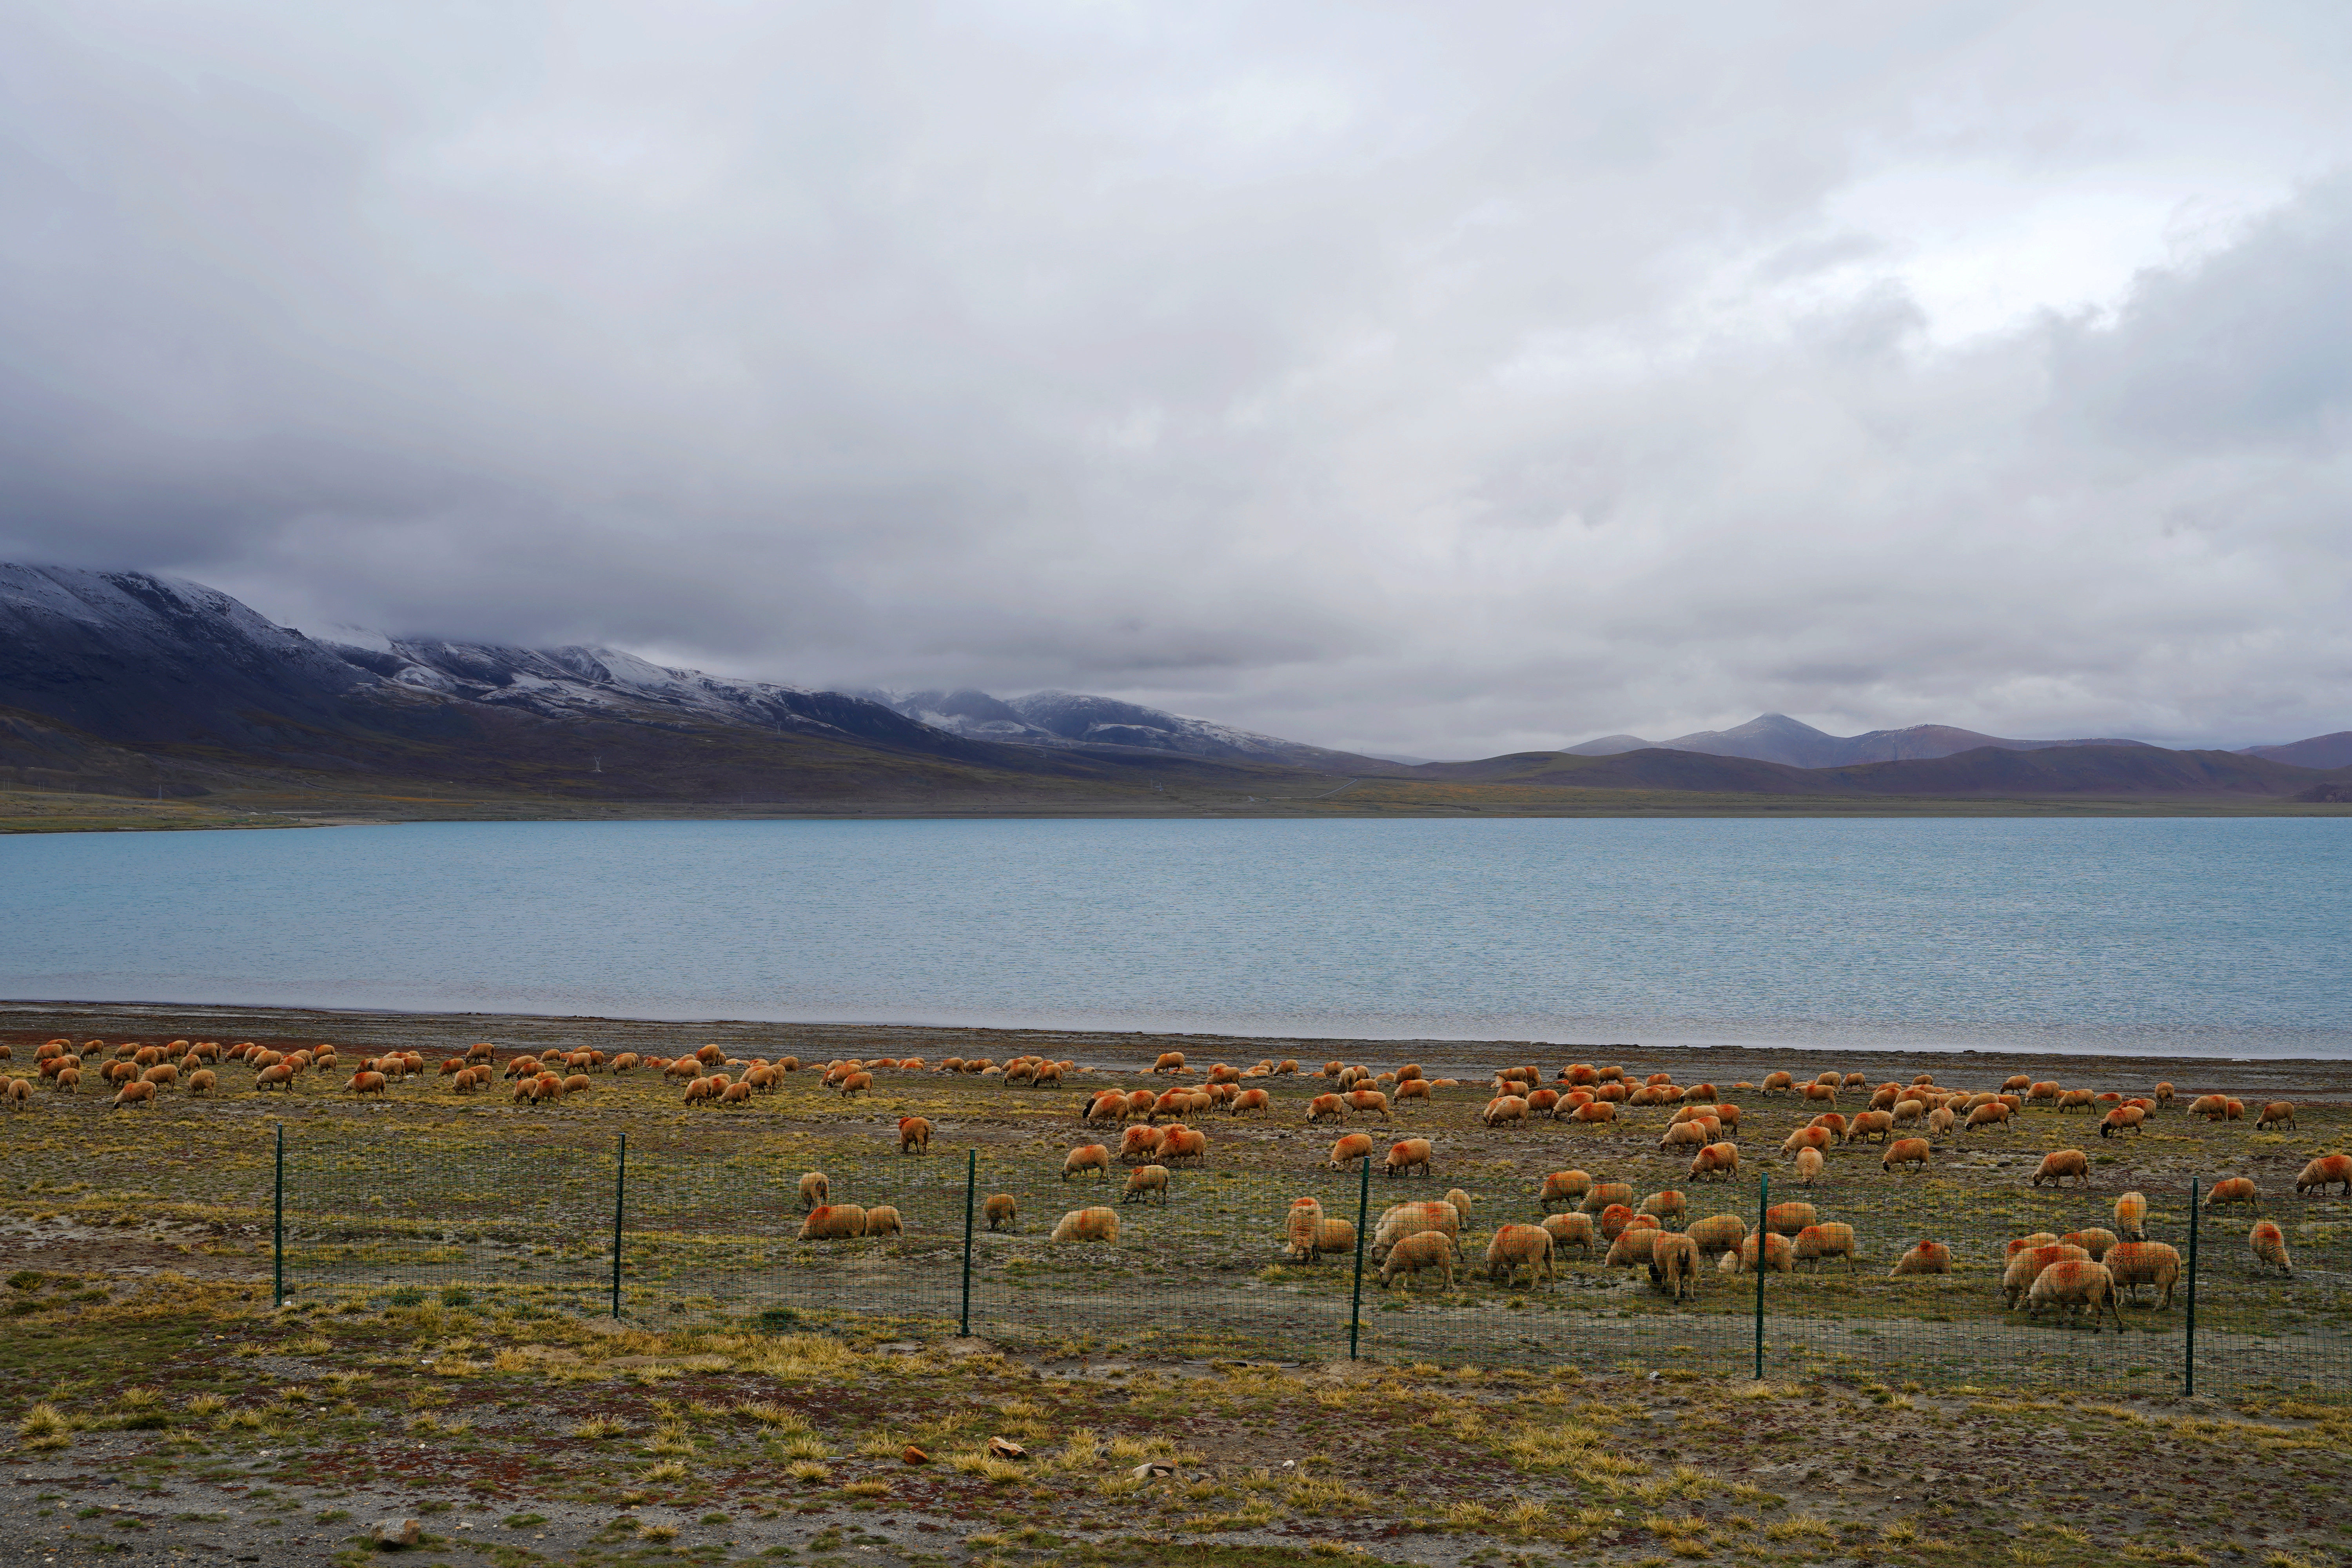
{"x": 2269, "y": 1243}
{"x": 2047, "y": 1089}
{"x": 1924, "y": 1258}
{"x": 2018, "y": 1275}
{"x": 834, "y": 1222}
{"x": 1302, "y": 1226}
{"x": 1565, "y": 1186}
{"x": 162, "y": 1075}
{"x": 1402, "y": 1220}
{"x": 2075, "y": 1099}
{"x": 1669, "y": 1207}
{"x": 1833, "y": 1239}
{"x": 1673, "y": 1267}
{"x": 1993, "y": 1114}
{"x": 2164, "y": 1094}
{"x": 2060, "y": 1163}
{"x": 1370, "y": 1101}
{"x": 1170, "y": 1061}
{"x": 1087, "y": 1157}
{"x": 1939, "y": 1121}
{"x": 1789, "y": 1219}
{"x": 2212, "y": 1107}
{"x": 580, "y": 1083}
{"x": 200, "y": 1081}
{"x": 1087, "y": 1225}
{"x": 1806, "y": 1138}
{"x": 1569, "y": 1230}
{"x": 914, "y": 1135}
{"x": 2132, "y": 1264}
{"x": 1184, "y": 1145}
{"x": 2131, "y": 1217}
{"x": 1870, "y": 1124}
{"x": 1808, "y": 1165}
{"x": 1325, "y": 1107}
{"x": 1630, "y": 1246}
{"x": 1716, "y": 1160}
{"x": 1001, "y": 1212}
{"x": 1515, "y": 1247}
{"x": 2039, "y": 1238}
{"x": 1780, "y": 1255}
{"x": 1599, "y": 1111}
{"x": 856, "y": 1083}
{"x": 2076, "y": 1282}
{"x": 365, "y": 1083}
{"x": 1717, "y": 1233}
{"x": 1412, "y": 1254}
{"x": 280, "y": 1077}
{"x": 699, "y": 1091}
{"x": 1141, "y": 1145}
{"x": 1143, "y": 1182}
{"x": 1408, "y": 1155}
{"x": 2323, "y": 1172}
{"x": 1778, "y": 1083}
{"x": 2277, "y": 1113}
{"x": 2094, "y": 1241}
{"x": 1256, "y": 1099}
{"x": 2019, "y": 1081}
{"x": 1461, "y": 1202}
{"x": 1912, "y": 1151}
{"x": 2234, "y": 1190}
{"x": 137, "y": 1092}
{"x": 2122, "y": 1119}
{"x": 20, "y": 1094}
{"x": 1833, "y": 1123}
{"x": 882, "y": 1220}
{"x": 1600, "y": 1195}
{"x": 1334, "y": 1236}
{"x": 815, "y": 1191}
{"x": 1820, "y": 1094}
{"x": 1684, "y": 1135}
{"x": 1907, "y": 1111}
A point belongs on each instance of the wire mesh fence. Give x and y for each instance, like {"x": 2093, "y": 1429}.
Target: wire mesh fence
{"x": 1113, "y": 1260}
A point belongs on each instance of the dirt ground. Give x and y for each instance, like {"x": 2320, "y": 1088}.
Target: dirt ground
{"x": 448, "y": 1354}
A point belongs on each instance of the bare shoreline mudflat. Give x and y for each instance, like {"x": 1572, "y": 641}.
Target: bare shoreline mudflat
{"x": 2295, "y": 1078}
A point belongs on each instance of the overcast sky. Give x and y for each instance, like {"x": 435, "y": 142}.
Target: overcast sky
{"x": 1429, "y": 379}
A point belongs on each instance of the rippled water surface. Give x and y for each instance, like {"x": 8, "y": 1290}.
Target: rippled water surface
{"x": 2222, "y": 936}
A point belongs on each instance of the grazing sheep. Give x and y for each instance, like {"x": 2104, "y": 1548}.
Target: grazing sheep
{"x": 2212, "y": 1107}
{"x": 914, "y": 1135}
{"x": 1170, "y": 1061}
{"x": 1870, "y": 1124}
{"x": 1808, "y": 1165}
{"x": 2122, "y": 1119}
{"x": 2131, "y": 1217}
{"x": 815, "y": 1191}
{"x": 1141, "y": 1145}
{"x": 137, "y": 1092}
{"x": 1184, "y": 1145}
{"x": 2018, "y": 1275}
{"x": 1924, "y": 1258}
{"x": 1991, "y": 1114}
{"x": 1334, "y": 1236}
{"x": 364, "y": 1083}
{"x": 1407, "y": 1156}
{"x": 1599, "y": 1111}
{"x": 201, "y": 1081}
{"x": 162, "y": 1075}
{"x": 1630, "y": 1246}
{"x": 2095, "y": 1241}
{"x": 1370, "y": 1101}
{"x": 1516, "y": 1246}
{"x": 2060, "y": 1163}
{"x": 1325, "y": 1107}
{"x": 2323, "y": 1172}
{"x": 1403, "y": 1220}
{"x": 20, "y": 1094}
{"x": 2046, "y": 1090}
{"x": 580, "y": 1083}
{"x": 1569, "y": 1230}
{"x": 1778, "y": 1083}
{"x": 1912, "y": 1151}
{"x": 1820, "y": 1094}
{"x": 1684, "y": 1135}
{"x": 2269, "y": 1243}
{"x": 1422, "y": 1250}
{"x": 1780, "y": 1255}
{"x": 2277, "y": 1113}
{"x": 882, "y": 1220}
{"x": 279, "y": 1076}
{"x": 1600, "y": 1195}
{"x": 1097, "y": 1223}
{"x": 856, "y": 1083}
{"x": 2018, "y": 1080}
{"x": 1716, "y": 1160}
{"x": 834, "y": 1222}
{"x": 1833, "y": 1239}
{"x": 1668, "y": 1208}
{"x": 1674, "y": 1265}
{"x": 1939, "y": 1120}
{"x": 2039, "y": 1238}
{"x": 1087, "y": 1157}
{"x": 1460, "y": 1201}
{"x": 1788, "y": 1219}
{"x": 1258, "y": 1100}
{"x": 2077, "y": 1282}
{"x": 1565, "y": 1186}
{"x": 2234, "y": 1190}
{"x": 2132, "y": 1264}
{"x": 1717, "y": 1233}
{"x": 1806, "y": 1138}
{"x": 1907, "y": 1111}
{"x": 1145, "y": 1181}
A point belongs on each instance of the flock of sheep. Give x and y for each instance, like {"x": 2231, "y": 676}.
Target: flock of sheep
{"x": 2086, "y": 1271}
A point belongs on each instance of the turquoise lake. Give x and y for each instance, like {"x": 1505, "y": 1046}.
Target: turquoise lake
{"x": 2179, "y": 936}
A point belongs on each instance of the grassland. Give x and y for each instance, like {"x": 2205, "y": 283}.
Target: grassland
{"x": 447, "y": 1354}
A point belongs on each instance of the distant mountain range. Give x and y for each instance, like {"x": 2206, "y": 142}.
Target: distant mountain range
{"x": 127, "y": 681}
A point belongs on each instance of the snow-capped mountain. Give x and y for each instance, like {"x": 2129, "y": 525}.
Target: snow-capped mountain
{"x": 1076, "y": 718}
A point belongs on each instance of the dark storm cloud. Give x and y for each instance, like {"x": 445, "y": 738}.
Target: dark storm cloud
{"x": 1439, "y": 382}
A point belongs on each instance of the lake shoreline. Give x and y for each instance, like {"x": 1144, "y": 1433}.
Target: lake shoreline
{"x": 26, "y": 1023}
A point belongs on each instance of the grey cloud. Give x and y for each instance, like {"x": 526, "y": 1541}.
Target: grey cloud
{"x": 1397, "y": 380}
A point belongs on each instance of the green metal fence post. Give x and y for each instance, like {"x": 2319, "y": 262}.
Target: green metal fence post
{"x": 1356, "y": 1301}
{"x": 620, "y": 1197}
{"x": 970, "y": 1181}
{"x": 277, "y": 1227}
{"x": 1763, "y": 1207}
{"x": 2188, "y": 1350}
